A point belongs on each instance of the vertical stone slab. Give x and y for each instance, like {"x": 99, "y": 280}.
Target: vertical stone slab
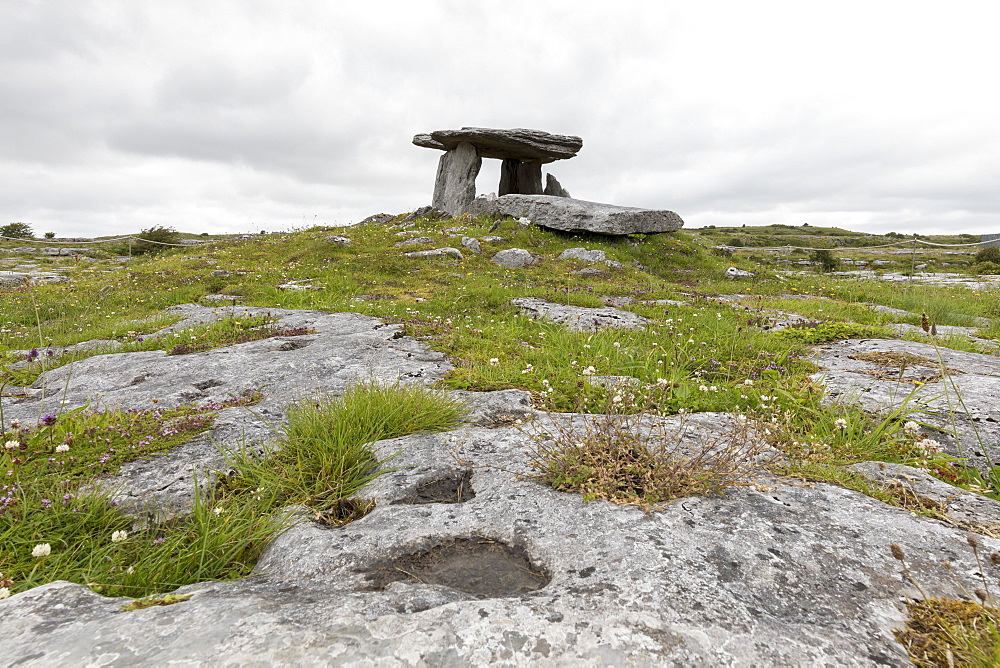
{"x": 553, "y": 187}
{"x": 520, "y": 177}
{"x": 455, "y": 185}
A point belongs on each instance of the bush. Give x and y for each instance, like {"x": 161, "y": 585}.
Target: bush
{"x": 988, "y": 254}
{"x": 50, "y": 235}
{"x": 17, "y": 231}
{"x": 825, "y": 259}
{"x": 159, "y": 235}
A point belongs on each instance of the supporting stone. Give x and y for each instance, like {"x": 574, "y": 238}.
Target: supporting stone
{"x": 553, "y": 187}
{"x": 455, "y": 186}
{"x": 521, "y": 177}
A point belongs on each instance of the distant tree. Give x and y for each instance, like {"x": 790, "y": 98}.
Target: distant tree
{"x": 825, "y": 260}
{"x": 16, "y": 231}
{"x": 159, "y": 235}
{"x": 988, "y": 254}
{"x": 50, "y": 235}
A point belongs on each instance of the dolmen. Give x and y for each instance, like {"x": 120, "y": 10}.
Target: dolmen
{"x": 521, "y": 194}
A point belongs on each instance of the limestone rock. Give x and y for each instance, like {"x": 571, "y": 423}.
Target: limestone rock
{"x": 414, "y": 241}
{"x": 338, "y": 239}
{"x": 733, "y": 272}
{"x": 588, "y": 271}
{"x": 523, "y": 574}
{"x": 345, "y": 347}
{"x": 579, "y": 318}
{"x": 13, "y": 279}
{"x": 378, "y": 219}
{"x": 455, "y": 186}
{"x": 471, "y": 244}
{"x": 437, "y": 252}
{"x": 575, "y": 215}
{"x": 613, "y": 264}
{"x": 583, "y": 254}
{"x": 553, "y": 187}
{"x": 514, "y": 258}
{"x": 883, "y": 375}
{"x": 425, "y": 212}
{"x": 517, "y": 143}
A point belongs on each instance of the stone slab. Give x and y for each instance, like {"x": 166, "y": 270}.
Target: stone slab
{"x": 576, "y": 215}
{"x": 517, "y": 143}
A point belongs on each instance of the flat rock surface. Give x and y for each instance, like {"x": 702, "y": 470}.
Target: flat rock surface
{"x": 580, "y": 318}
{"x": 467, "y": 559}
{"x": 576, "y": 215}
{"x": 519, "y": 574}
{"x": 517, "y": 143}
{"x": 878, "y": 375}
{"x": 346, "y": 347}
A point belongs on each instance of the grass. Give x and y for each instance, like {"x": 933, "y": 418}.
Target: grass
{"x": 324, "y": 458}
{"x": 702, "y": 355}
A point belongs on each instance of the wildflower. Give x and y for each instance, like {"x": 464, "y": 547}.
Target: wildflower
{"x": 617, "y": 399}
{"x": 131, "y": 570}
{"x": 41, "y": 550}
{"x": 12, "y": 445}
{"x": 119, "y": 536}
{"x": 911, "y": 428}
{"x": 4, "y": 593}
{"x": 14, "y": 424}
{"x": 494, "y": 361}
{"x": 589, "y": 371}
{"x": 713, "y": 389}
{"x": 703, "y": 388}
{"x": 217, "y": 510}
{"x": 840, "y": 423}
{"x": 48, "y": 420}
{"x": 930, "y": 445}
{"x": 616, "y": 344}
{"x": 662, "y": 381}
{"x": 748, "y": 382}
{"x": 62, "y": 447}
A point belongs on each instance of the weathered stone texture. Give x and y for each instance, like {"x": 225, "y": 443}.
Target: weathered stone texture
{"x": 575, "y": 215}
{"x": 455, "y": 186}
{"x": 553, "y": 187}
{"x": 517, "y": 143}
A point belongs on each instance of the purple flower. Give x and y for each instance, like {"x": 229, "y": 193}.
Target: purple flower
{"x": 32, "y": 354}
{"x": 49, "y": 420}
{"x": 105, "y": 458}
{"x": 50, "y": 353}
{"x": 46, "y": 503}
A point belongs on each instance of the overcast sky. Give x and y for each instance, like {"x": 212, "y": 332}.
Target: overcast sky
{"x": 235, "y": 116}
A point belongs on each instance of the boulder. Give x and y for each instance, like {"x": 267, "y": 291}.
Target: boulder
{"x": 579, "y": 318}
{"x": 583, "y": 254}
{"x": 517, "y": 143}
{"x": 337, "y": 239}
{"x": 733, "y": 272}
{"x": 472, "y": 244}
{"x": 575, "y": 215}
{"x": 514, "y": 258}
{"x": 378, "y": 219}
{"x": 414, "y": 241}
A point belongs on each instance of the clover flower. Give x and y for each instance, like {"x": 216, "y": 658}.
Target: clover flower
{"x": 62, "y": 448}
{"x": 4, "y": 593}
{"x": 12, "y": 445}
{"x": 840, "y": 423}
{"x": 911, "y": 428}
{"x": 929, "y": 444}
{"x": 494, "y": 361}
{"x": 41, "y": 550}
{"x": 119, "y": 536}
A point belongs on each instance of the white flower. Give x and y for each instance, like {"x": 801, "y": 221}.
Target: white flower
{"x": 4, "y": 593}
{"x": 617, "y": 399}
{"x": 494, "y": 361}
{"x": 12, "y": 445}
{"x": 217, "y": 510}
{"x": 911, "y": 428}
{"x": 62, "y": 447}
{"x": 616, "y": 344}
{"x": 524, "y": 221}
{"x": 840, "y": 423}
{"x": 41, "y": 550}
{"x": 741, "y": 418}
{"x": 131, "y": 570}
{"x": 748, "y": 382}
{"x": 703, "y": 388}
{"x": 589, "y": 371}
{"x": 119, "y": 536}
{"x": 714, "y": 388}
{"x": 930, "y": 445}
{"x": 662, "y": 381}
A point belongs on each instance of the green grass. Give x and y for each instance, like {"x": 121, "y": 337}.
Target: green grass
{"x": 702, "y": 356}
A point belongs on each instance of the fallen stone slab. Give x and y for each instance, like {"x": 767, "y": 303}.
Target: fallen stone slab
{"x": 733, "y": 272}
{"x": 579, "y": 318}
{"x": 414, "y": 241}
{"x": 575, "y": 215}
{"x": 950, "y": 390}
